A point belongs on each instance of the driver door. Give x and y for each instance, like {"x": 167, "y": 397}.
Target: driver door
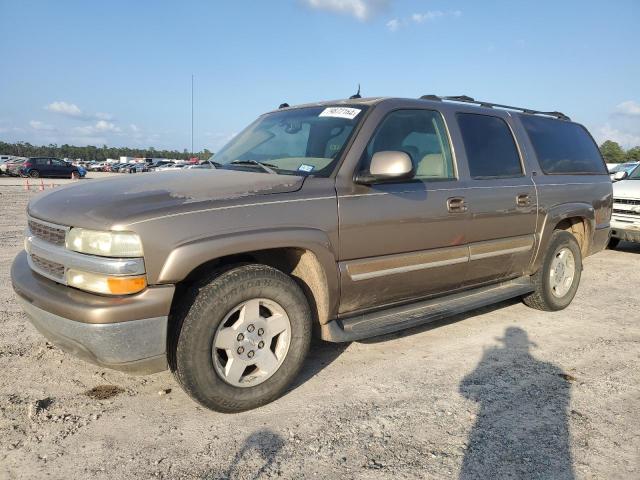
{"x": 402, "y": 241}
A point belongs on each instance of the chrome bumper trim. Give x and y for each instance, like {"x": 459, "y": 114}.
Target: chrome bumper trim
{"x": 80, "y": 261}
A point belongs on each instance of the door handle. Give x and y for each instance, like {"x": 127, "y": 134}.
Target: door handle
{"x": 523, "y": 200}
{"x": 456, "y": 205}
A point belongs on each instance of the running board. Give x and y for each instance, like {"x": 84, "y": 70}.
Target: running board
{"x": 392, "y": 319}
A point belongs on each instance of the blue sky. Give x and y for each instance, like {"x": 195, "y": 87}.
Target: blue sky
{"x": 119, "y": 72}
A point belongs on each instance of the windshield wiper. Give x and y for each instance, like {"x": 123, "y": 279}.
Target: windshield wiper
{"x": 264, "y": 166}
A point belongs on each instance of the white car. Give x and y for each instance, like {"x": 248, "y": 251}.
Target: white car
{"x": 171, "y": 166}
{"x": 625, "y": 221}
{"x": 622, "y": 167}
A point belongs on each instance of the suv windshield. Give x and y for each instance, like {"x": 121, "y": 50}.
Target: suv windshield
{"x": 302, "y": 141}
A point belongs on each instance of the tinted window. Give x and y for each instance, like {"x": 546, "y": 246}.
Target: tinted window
{"x": 419, "y": 133}
{"x": 563, "y": 147}
{"x": 491, "y": 150}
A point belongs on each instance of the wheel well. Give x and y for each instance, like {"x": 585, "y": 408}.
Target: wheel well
{"x": 579, "y": 227}
{"x": 301, "y": 264}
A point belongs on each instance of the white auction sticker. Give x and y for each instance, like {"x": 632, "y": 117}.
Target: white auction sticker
{"x": 340, "y": 112}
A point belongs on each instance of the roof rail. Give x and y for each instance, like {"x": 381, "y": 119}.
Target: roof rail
{"x": 467, "y": 99}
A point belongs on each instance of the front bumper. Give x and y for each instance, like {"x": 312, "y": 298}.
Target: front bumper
{"x": 626, "y": 230}
{"x": 124, "y": 333}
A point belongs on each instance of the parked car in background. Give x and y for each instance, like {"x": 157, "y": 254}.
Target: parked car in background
{"x": 626, "y": 167}
{"x": 168, "y": 167}
{"x": 12, "y": 167}
{"x": 347, "y": 219}
{"x": 135, "y": 168}
{"x": 625, "y": 222}
{"x": 162, "y": 163}
{"x": 4, "y": 159}
{"x": 36, "y": 167}
{"x": 199, "y": 166}
{"x": 96, "y": 167}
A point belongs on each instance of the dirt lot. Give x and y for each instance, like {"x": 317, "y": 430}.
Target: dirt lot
{"x": 502, "y": 392}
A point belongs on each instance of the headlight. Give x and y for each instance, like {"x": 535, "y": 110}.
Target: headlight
{"x": 108, "y": 285}
{"x": 104, "y": 244}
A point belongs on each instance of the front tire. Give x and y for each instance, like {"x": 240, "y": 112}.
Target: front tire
{"x": 243, "y": 338}
{"x": 34, "y": 174}
{"x": 557, "y": 280}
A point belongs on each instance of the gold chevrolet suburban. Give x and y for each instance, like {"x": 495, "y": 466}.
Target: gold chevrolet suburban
{"x": 345, "y": 219}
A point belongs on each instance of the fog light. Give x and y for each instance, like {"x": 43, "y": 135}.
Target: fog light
{"x": 105, "y": 284}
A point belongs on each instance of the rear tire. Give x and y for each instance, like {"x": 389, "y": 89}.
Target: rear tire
{"x": 75, "y": 175}
{"x": 34, "y": 174}
{"x": 218, "y": 326}
{"x": 557, "y": 280}
{"x": 613, "y": 243}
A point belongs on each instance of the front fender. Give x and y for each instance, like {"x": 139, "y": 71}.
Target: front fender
{"x": 552, "y": 217}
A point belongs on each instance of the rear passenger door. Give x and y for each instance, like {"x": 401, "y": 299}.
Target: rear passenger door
{"x": 500, "y": 198}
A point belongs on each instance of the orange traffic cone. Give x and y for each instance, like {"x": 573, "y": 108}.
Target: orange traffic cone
{"x": 41, "y": 185}
{"x": 27, "y": 187}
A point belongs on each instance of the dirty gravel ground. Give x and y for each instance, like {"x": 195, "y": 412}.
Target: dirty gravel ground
{"x": 502, "y": 392}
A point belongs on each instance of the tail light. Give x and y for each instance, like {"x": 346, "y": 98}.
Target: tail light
{"x": 28, "y": 165}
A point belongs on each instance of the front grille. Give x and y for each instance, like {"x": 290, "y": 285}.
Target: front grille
{"x": 625, "y": 212}
{"x": 47, "y": 233}
{"x": 50, "y": 268}
{"x": 626, "y": 201}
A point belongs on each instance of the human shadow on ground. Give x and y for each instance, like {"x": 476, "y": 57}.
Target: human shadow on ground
{"x": 259, "y": 452}
{"x": 521, "y": 430}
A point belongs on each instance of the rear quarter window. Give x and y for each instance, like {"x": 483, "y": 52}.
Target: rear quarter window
{"x": 563, "y": 147}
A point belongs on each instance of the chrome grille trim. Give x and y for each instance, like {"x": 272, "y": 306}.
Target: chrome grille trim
{"x": 54, "y": 269}
{"x": 80, "y": 261}
{"x": 626, "y": 201}
{"x": 49, "y": 232}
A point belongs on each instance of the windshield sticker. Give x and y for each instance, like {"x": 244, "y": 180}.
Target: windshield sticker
{"x": 340, "y": 112}
{"x": 305, "y": 168}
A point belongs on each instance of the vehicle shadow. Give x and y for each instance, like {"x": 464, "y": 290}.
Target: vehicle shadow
{"x": 259, "y": 451}
{"x": 321, "y": 354}
{"x": 522, "y": 427}
{"x": 628, "y": 247}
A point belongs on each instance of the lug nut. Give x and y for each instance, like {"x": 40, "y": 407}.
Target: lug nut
{"x": 240, "y": 350}
{"x": 251, "y": 328}
{"x": 260, "y": 331}
{"x": 240, "y": 337}
{"x": 261, "y": 344}
{"x": 251, "y": 353}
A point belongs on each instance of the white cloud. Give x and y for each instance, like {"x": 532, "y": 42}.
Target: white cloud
{"x": 630, "y": 107}
{"x": 359, "y": 9}
{"x": 38, "y": 125}
{"x": 394, "y": 24}
{"x": 73, "y": 111}
{"x": 625, "y": 138}
{"x": 101, "y": 126}
{"x": 64, "y": 108}
{"x": 430, "y": 15}
{"x": 418, "y": 18}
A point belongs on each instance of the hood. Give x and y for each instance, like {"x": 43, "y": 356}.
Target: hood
{"x": 627, "y": 189}
{"x": 104, "y": 203}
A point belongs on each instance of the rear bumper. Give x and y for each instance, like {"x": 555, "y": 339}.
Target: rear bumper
{"x": 625, "y": 230}
{"x": 123, "y": 333}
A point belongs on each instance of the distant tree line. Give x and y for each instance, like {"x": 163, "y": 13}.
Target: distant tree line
{"x": 88, "y": 153}
{"x": 614, "y": 153}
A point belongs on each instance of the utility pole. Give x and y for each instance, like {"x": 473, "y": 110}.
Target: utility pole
{"x": 192, "y": 115}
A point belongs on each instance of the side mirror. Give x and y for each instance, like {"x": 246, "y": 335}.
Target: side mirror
{"x": 386, "y": 167}
{"x": 620, "y": 175}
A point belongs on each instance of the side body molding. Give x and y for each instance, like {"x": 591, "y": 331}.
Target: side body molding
{"x": 552, "y": 217}
{"x": 185, "y": 258}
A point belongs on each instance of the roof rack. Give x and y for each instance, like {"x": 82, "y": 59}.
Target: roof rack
{"x": 467, "y": 99}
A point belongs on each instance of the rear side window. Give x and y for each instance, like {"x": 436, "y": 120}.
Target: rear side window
{"x": 491, "y": 149}
{"x": 563, "y": 147}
